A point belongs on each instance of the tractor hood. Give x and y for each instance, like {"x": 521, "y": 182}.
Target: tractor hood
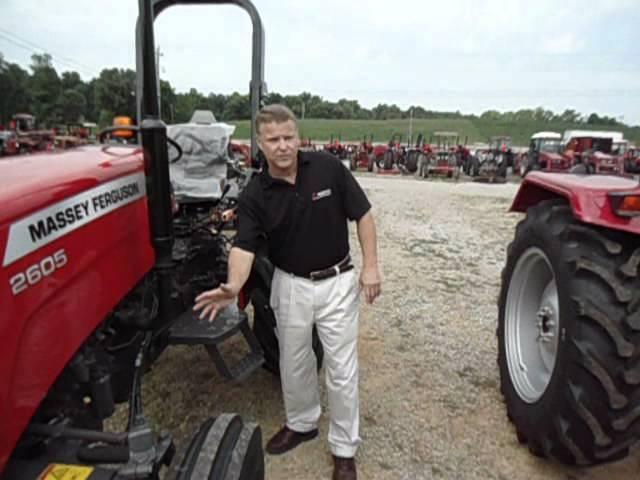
{"x": 31, "y": 182}
{"x": 603, "y": 156}
{"x": 556, "y": 157}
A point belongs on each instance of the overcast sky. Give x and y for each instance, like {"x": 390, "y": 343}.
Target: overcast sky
{"x": 467, "y": 55}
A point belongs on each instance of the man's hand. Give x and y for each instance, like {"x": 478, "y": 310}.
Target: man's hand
{"x": 212, "y": 301}
{"x": 370, "y": 283}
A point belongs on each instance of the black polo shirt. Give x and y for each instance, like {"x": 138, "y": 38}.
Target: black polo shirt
{"x": 304, "y": 225}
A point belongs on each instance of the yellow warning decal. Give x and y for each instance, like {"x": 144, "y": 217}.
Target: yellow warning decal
{"x": 59, "y": 471}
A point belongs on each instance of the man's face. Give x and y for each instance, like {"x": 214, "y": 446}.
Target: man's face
{"x": 279, "y": 142}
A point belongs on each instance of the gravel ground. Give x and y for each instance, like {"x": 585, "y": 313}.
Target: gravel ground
{"x": 430, "y": 401}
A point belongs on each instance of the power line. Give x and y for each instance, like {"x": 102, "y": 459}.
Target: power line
{"x": 67, "y": 59}
{"x": 36, "y": 49}
{"x": 30, "y": 49}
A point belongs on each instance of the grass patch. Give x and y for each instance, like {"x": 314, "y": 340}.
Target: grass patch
{"x": 474, "y": 130}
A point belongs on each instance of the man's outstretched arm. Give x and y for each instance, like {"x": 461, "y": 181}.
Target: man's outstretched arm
{"x": 239, "y": 268}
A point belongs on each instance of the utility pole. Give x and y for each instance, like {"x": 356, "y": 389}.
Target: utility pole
{"x": 302, "y": 108}
{"x": 410, "y": 124}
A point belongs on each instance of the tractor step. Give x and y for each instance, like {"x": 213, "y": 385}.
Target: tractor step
{"x": 190, "y": 330}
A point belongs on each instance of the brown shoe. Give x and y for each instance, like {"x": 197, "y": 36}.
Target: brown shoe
{"x": 344, "y": 468}
{"x": 286, "y": 439}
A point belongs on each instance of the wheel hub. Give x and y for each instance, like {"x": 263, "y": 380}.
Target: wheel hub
{"x": 531, "y": 325}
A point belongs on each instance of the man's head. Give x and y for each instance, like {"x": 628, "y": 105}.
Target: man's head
{"x": 277, "y": 132}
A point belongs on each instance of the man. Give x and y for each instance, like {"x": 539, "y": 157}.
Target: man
{"x": 300, "y": 204}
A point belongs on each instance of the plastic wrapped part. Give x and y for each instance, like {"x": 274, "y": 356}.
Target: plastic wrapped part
{"x": 203, "y": 116}
{"x": 204, "y": 159}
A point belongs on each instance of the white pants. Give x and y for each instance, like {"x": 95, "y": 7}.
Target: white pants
{"x": 332, "y": 304}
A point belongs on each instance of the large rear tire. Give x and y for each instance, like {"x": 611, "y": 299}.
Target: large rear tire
{"x": 224, "y": 448}
{"x": 569, "y": 325}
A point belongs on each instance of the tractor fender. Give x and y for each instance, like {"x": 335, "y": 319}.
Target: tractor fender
{"x": 588, "y": 196}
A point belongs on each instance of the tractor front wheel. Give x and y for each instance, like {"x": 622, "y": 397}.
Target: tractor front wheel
{"x": 388, "y": 160}
{"x": 569, "y": 324}
{"x": 412, "y": 162}
{"x": 224, "y": 447}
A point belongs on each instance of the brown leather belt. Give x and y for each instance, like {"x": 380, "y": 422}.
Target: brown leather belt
{"x": 344, "y": 266}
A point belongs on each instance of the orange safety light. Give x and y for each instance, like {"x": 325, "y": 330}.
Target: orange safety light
{"x": 625, "y": 204}
{"x": 123, "y": 121}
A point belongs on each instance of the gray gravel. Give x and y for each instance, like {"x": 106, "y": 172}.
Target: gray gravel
{"x": 430, "y": 402}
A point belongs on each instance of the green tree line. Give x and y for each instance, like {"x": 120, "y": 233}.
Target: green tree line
{"x": 60, "y": 98}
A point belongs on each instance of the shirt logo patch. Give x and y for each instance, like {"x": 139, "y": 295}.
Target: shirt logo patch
{"x": 321, "y": 194}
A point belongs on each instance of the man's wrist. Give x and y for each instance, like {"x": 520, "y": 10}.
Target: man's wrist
{"x": 370, "y": 264}
{"x": 234, "y": 288}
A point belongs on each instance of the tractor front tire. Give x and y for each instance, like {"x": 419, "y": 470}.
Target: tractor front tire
{"x": 387, "y": 162}
{"x": 568, "y": 328}
{"x": 412, "y": 162}
{"x": 224, "y": 448}
{"x": 353, "y": 163}
{"x": 502, "y": 168}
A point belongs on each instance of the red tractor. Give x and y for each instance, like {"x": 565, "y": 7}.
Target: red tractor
{"x": 306, "y": 144}
{"x": 389, "y": 157}
{"x": 592, "y": 150}
{"x": 362, "y": 156}
{"x": 335, "y": 147}
{"x": 8, "y": 142}
{"x": 491, "y": 165}
{"x": 442, "y": 158}
{"x": 28, "y": 136}
{"x": 544, "y": 149}
{"x": 569, "y": 317}
{"x": 100, "y": 269}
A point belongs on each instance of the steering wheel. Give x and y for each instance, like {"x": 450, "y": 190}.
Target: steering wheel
{"x": 103, "y": 133}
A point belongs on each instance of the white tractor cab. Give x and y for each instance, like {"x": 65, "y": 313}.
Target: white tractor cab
{"x": 594, "y": 149}
{"x": 541, "y": 143}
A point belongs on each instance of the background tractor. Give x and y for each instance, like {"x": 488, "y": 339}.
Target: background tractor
{"x": 362, "y": 156}
{"x": 441, "y": 158}
{"x": 544, "y": 149}
{"x": 388, "y": 156}
{"x": 336, "y": 147}
{"x": 100, "y": 267}
{"x": 593, "y": 150}
{"x": 29, "y": 137}
{"x": 8, "y": 142}
{"x": 569, "y": 317}
{"x": 491, "y": 165}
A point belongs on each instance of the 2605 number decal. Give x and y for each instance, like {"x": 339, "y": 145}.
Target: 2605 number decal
{"x": 36, "y": 272}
